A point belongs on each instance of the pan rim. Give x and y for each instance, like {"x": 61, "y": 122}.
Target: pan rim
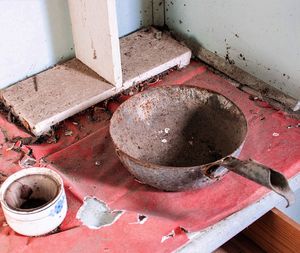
{"x": 160, "y": 166}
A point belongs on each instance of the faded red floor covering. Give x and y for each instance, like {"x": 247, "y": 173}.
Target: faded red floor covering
{"x": 88, "y": 164}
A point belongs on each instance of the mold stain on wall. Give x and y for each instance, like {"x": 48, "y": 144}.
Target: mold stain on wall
{"x": 262, "y": 38}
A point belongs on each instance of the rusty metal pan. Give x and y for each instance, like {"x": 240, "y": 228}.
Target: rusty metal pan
{"x": 177, "y": 138}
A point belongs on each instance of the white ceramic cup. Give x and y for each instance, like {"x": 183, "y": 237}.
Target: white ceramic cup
{"x": 33, "y": 201}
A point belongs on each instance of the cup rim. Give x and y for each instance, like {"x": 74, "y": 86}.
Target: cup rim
{"x": 29, "y": 172}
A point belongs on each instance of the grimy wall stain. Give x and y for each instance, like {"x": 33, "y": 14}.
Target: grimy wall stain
{"x": 261, "y": 37}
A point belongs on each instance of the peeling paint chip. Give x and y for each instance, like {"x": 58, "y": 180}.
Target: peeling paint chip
{"x": 96, "y": 214}
{"x": 167, "y": 130}
{"x": 166, "y": 237}
{"x": 141, "y": 219}
{"x": 175, "y": 232}
{"x": 26, "y": 162}
{"x": 297, "y": 107}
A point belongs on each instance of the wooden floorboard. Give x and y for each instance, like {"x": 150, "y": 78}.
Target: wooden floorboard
{"x": 275, "y": 232}
{"x": 240, "y": 244}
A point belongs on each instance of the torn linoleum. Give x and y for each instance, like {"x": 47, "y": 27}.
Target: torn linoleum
{"x": 95, "y": 213}
{"x": 89, "y": 166}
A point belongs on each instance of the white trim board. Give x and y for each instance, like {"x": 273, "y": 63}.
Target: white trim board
{"x": 111, "y": 65}
{"x": 215, "y": 236}
{"x": 58, "y": 93}
{"x": 96, "y": 37}
{"x": 54, "y": 95}
{"x": 149, "y": 52}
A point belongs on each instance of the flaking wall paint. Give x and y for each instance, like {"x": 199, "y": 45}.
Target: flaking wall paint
{"x": 261, "y": 37}
{"x": 36, "y": 34}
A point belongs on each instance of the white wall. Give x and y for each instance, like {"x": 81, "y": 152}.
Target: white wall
{"x": 133, "y": 14}
{"x": 36, "y": 34}
{"x": 265, "y": 32}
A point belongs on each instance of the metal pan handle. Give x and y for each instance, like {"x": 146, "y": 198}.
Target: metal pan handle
{"x": 262, "y": 175}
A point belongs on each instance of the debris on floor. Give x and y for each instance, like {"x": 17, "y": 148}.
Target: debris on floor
{"x": 3, "y": 177}
{"x": 68, "y": 132}
{"x": 27, "y": 162}
{"x": 89, "y": 167}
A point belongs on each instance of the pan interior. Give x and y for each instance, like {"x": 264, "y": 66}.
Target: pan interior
{"x": 178, "y": 126}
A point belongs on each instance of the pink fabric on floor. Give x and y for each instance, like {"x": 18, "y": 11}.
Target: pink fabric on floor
{"x": 89, "y": 167}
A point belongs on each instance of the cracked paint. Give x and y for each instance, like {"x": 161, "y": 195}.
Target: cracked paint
{"x": 175, "y": 232}
{"x": 168, "y": 236}
{"x": 95, "y": 213}
{"x": 141, "y": 219}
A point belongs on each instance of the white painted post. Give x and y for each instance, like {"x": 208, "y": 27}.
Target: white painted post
{"x": 95, "y": 34}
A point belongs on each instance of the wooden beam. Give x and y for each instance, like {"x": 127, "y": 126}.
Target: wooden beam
{"x": 275, "y": 233}
{"x": 96, "y": 40}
